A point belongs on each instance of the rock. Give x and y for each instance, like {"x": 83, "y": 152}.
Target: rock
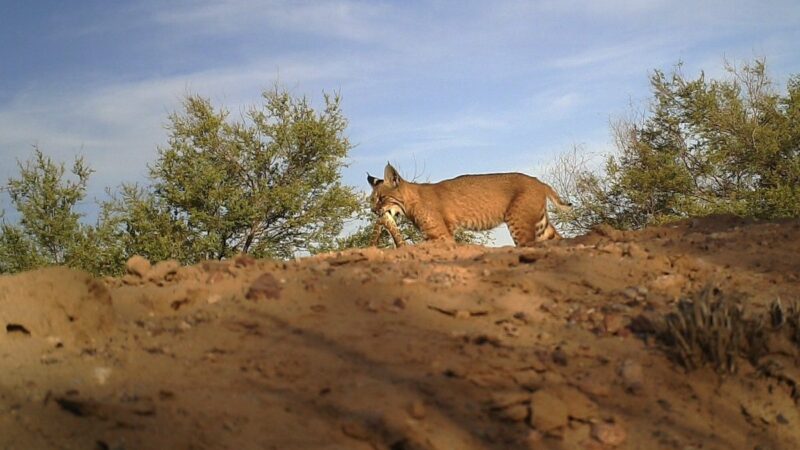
{"x": 635, "y": 251}
{"x": 613, "y": 323}
{"x": 137, "y": 265}
{"x": 670, "y": 285}
{"x": 611, "y": 434}
{"x": 504, "y": 399}
{"x": 462, "y": 314}
{"x": 101, "y": 374}
{"x": 592, "y": 386}
{"x": 529, "y": 379}
{"x": 355, "y": 430}
{"x": 164, "y": 270}
{"x": 417, "y": 409}
{"x": 515, "y": 413}
{"x": 630, "y": 293}
{"x": 611, "y": 248}
{"x": 578, "y": 405}
{"x": 632, "y": 375}
{"x": 534, "y": 438}
{"x": 548, "y": 412}
{"x": 264, "y": 287}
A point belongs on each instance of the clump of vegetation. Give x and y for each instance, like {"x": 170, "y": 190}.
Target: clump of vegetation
{"x": 268, "y": 184}
{"x": 714, "y": 329}
{"x": 704, "y": 146}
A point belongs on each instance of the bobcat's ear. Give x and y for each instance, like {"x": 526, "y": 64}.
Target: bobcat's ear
{"x": 373, "y": 181}
{"x": 391, "y": 176}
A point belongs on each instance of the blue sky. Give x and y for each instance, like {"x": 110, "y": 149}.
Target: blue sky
{"x": 439, "y": 88}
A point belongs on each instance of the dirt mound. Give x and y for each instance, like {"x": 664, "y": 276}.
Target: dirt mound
{"x": 56, "y": 305}
{"x": 426, "y": 347}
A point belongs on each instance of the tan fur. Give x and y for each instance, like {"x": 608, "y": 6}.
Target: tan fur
{"x": 473, "y": 202}
{"x": 386, "y": 220}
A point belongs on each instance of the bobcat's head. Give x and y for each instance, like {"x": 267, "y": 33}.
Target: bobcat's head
{"x": 387, "y": 194}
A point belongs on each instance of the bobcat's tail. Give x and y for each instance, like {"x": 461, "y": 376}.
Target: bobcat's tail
{"x": 556, "y": 199}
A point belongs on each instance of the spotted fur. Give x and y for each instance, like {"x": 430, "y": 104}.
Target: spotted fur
{"x": 473, "y": 202}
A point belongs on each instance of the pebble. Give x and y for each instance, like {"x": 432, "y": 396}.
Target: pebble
{"x": 611, "y": 434}
{"x": 462, "y": 314}
{"x": 355, "y": 430}
{"x": 548, "y": 412}
{"x": 613, "y": 323}
{"x": 101, "y": 374}
{"x": 417, "y": 409}
{"x": 632, "y": 375}
{"x": 515, "y": 413}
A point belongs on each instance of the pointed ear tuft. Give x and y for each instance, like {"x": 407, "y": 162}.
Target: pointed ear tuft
{"x": 391, "y": 176}
{"x": 373, "y": 181}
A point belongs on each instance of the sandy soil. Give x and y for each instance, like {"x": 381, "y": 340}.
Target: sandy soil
{"x": 425, "y": 347}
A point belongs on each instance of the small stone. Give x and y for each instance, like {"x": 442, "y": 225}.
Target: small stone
{"x": 635, "y": 251}
{"x": 355, "y": 430}
{"x": 609, "y": 433}
{"x": 548, "y": 412}
{"x": 632, "y": 375}
{"x": 137, "y": 265}
{"x": 534, "y": 438}
{"x": 264, "y": 287}
{"x": 504, "y": 399}
{"x": 593, "y": 387}
{"x": 184, "y": 326}
{"x": 101, "y": 374}
{"x": 613, "y": 323}
{"x": 462, "y": 314}
{"x": 213, "y": 298}
{"x": 579, "y": 406}
{"x": 515, "y": 413}
{"x": 670, "y": 285}
{"x": 529, "y": 379}
{"x": 417, "y": 409}
{"x": 630, "y": 293}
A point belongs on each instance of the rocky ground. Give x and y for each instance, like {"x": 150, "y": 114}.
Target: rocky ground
{"x": 426, "y": 347}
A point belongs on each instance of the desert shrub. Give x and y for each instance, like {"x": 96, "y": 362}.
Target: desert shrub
{"x": 268, "y": 185}
{"x": 704, "y": 146}
{"x": 715, "y": 329}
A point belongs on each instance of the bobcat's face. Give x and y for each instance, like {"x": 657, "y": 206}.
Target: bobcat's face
{"x": 387, "y": 195}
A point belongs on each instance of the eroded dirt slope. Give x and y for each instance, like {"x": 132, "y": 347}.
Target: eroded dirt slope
{"x": 429, "y": 346}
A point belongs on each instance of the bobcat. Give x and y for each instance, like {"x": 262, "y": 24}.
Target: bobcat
{"x": 474, "y": 202}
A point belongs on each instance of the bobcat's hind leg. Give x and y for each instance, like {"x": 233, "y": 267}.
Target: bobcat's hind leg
{"x": 527, "y": 221}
